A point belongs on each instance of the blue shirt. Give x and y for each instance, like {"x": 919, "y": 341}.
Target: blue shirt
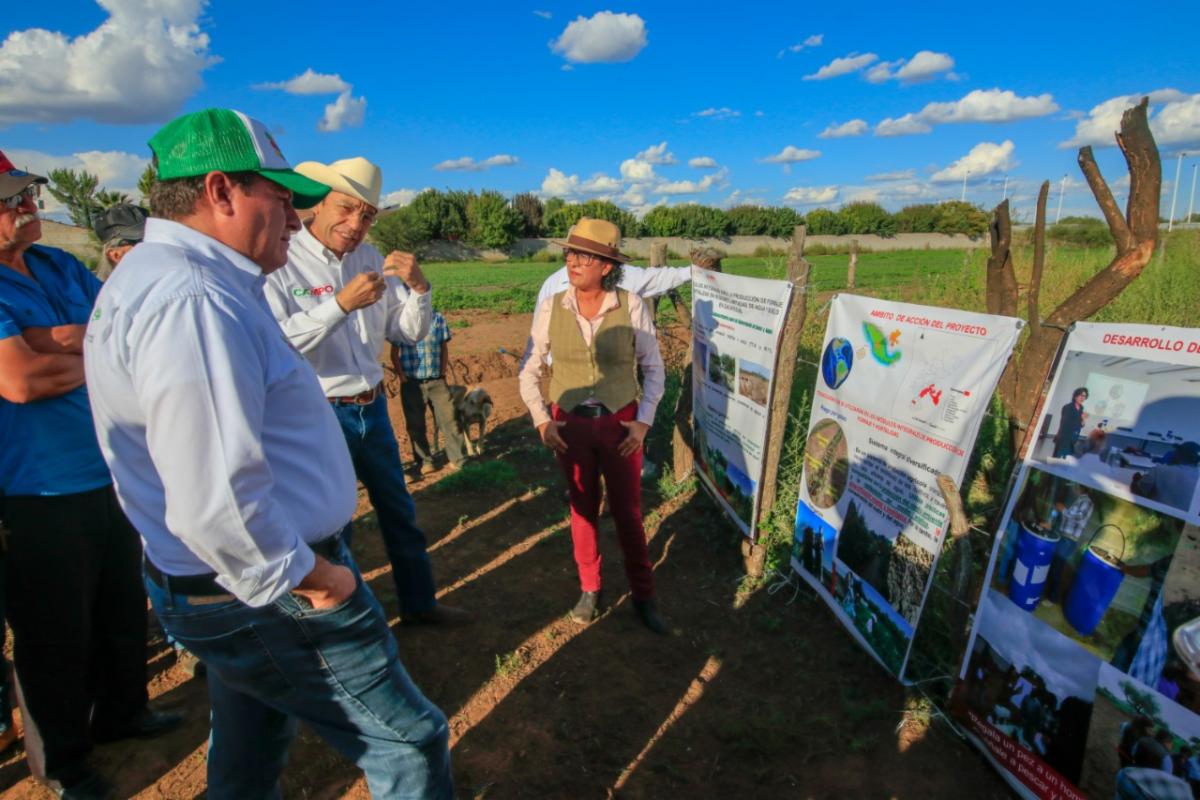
{"x": 423, "y": 360}
{"x": 51, "y": 444}
{"x": 226, "y": 454}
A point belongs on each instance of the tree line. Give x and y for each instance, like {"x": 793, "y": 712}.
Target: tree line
{"x": 488, "y": 219}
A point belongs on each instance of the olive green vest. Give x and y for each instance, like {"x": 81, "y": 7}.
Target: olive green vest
{"x": 606, "y": 371}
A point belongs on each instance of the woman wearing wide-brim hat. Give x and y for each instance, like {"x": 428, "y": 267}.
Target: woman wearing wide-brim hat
{"x": 598, "y": 336}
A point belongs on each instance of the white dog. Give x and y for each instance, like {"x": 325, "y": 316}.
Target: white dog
{"x": 470, "y": 408}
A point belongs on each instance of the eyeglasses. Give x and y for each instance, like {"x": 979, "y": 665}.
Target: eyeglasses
{"x": 28, "y": 193}
{"x": 589, "y": 259}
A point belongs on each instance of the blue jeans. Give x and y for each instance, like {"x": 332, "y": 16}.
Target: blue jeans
{"x": 376, "y": 457}
{"x": 338, "y": 670}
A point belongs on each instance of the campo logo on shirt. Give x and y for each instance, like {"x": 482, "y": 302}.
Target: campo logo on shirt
{"x": 312, "y": 291}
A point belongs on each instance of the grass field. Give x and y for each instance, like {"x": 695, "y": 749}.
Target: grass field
{"x": 1167, "y": 293}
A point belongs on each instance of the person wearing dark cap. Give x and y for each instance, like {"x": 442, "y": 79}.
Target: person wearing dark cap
{"x": 118, "y": 228}
{"x": 74, "y": 600}
{"x": 230, "y": 462}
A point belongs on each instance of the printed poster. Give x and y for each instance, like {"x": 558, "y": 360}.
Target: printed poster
{"x": 1082, "y": 678}
{"x": 736, "y": 325}
{"x": 899, "y": 400}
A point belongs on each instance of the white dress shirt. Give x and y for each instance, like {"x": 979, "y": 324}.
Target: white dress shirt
{"x": 226, "y": 455}
{"x": 343, "y": 348}
{"x": 645, "y": 283}
{"x": 645, "y": 340}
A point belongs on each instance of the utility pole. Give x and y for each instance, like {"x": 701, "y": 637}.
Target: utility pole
{"x": 1005, "y": 196}
{"x": 1062, "y": 188}
{"x": 1175, "y": 191}
{"x": 1192, "y": 201}
{"x": 963, "y": 199}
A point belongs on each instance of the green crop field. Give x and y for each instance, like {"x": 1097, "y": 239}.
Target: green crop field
{"x": 1167, "y": 293}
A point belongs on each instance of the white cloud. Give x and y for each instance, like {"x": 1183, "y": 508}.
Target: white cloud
{"x": 810, "y": 195}
{"x": 724, "y": 112}
{"x": 559, "y": 184}
{"x": 855, "y": 127}
{"x": 657, "y": 154}
{"x": 1179, "y": 122}
{"x": 812, "y": 41}
{"x": 138, "y": 66}
{"x": 603, "y": 38}
{"x": 309, "y": 82}
{"x": 842, "y": 66}
{"x": 898, "y": 175}
{"x": 791, "y": 155}
{"x": 637, "y": 170}
{"x": 923, "y": 66}
{"x": 690, "y": 187}
{"x": 468, "y": 164}
{"x": 981, "y": 105}
{"x": 115, "y": 170}
{"x": 1100, "y": 124}
{"x": 985, "y": 158}
{"x": 740, "y": 198}
{"x": 345, "y": 112}
{"x": 989, "y": 105}
{"x": 400, "y": 197}
{"x": 543, "y": 14}
{"x": 702, "y": 162}
{"x": 901, "y": 126}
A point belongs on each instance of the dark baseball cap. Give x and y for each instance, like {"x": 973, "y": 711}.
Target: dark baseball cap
{"x": 123, "y": 221}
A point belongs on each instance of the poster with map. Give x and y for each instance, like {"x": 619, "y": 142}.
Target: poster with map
{"x": 899, "y": 398}
{"x": 1082, "y": 675}
{"x": 736, "y": 325}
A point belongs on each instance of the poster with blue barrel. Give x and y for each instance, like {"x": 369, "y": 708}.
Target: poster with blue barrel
{"x": 899, "y": 397}
{"x": 1082, "y": 677}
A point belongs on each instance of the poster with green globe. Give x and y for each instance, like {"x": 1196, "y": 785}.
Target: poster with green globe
{"x": 899, "y": 398}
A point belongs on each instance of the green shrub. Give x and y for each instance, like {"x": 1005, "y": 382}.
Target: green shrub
{"x": 823, "y": 222}
{"x": 953, "y": 216}
{"x": 399, "y": 230}
{"x": 492, "y": 221}
{"x": 662, "y": 221}
{"x": 560, "y": 216}
{"x": 1081, "y": 231}
{"x": 531, "y": 210}
{"x": 867, "y": 218}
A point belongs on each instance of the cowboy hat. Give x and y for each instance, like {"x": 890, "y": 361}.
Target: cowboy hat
{"x": 596, "y": 236}
{"x": 356, "y": 177}
{"x": 12, "y": 180}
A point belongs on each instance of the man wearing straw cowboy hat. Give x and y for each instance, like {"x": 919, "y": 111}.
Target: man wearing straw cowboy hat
{"x": 337, "y": 308}
{"x": 233, "y": 468}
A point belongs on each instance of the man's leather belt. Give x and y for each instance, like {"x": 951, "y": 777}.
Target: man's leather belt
{"x": 360, "y": 399}
{"x": 205, "y": 585}
{"x": 589, "y": 410}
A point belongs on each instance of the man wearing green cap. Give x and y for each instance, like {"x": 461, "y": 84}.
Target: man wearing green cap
{"x": 232, "y": 466}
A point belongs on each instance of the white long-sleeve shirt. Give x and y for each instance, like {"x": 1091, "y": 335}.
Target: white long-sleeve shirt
{"x": 343, "y": 348}
{"x": 225, "y": 453}
{"x": 648, "y": 357}
{"x": 645, "y": 283}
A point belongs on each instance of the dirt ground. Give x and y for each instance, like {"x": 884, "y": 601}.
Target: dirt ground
{"x": 754, "y": 692}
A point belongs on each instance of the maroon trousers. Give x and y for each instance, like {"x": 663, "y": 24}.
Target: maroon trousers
{"x": 591, "y": 452}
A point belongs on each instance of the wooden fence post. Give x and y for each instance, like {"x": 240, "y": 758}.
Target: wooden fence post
{"x": 785, "y": 367}
{"x": 853, "y": 269}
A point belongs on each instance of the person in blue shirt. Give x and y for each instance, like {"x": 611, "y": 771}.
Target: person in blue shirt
{"x": 74, "y": 594}
{"x": 421, "y": 368}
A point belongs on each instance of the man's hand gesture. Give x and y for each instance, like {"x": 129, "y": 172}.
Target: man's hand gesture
{"x": 363, "y": 290}
{"x": 404, "y": 266}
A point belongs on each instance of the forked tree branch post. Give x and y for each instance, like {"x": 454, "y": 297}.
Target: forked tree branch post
{"x": 1135, "y": 235}
{"x": 785, "y": 366}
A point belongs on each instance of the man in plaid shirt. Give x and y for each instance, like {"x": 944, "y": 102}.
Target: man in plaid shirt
{"x": 1072, "y": 521}
{"x": 422, "y": 383}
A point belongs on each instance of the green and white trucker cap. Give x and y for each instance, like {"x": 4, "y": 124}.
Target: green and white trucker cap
{"x": 224, "y": 140}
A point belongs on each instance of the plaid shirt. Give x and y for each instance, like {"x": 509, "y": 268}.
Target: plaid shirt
{"x": 1075, "y": 516}
{"x": 423, "y": 360}
{"x": 1141, "y": 783}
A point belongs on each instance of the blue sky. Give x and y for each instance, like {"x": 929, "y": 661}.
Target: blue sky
{"x": 642, "y": 103}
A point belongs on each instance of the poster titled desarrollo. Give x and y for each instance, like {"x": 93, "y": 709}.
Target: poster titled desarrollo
{"x": 736, "y": 325}
{"x": 1082, "y": 678}
{"x": 899, "y": 399}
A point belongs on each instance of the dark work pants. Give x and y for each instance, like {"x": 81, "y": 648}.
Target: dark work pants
{"x": 77, "y": 607}
{"x": 414, "y": 396}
